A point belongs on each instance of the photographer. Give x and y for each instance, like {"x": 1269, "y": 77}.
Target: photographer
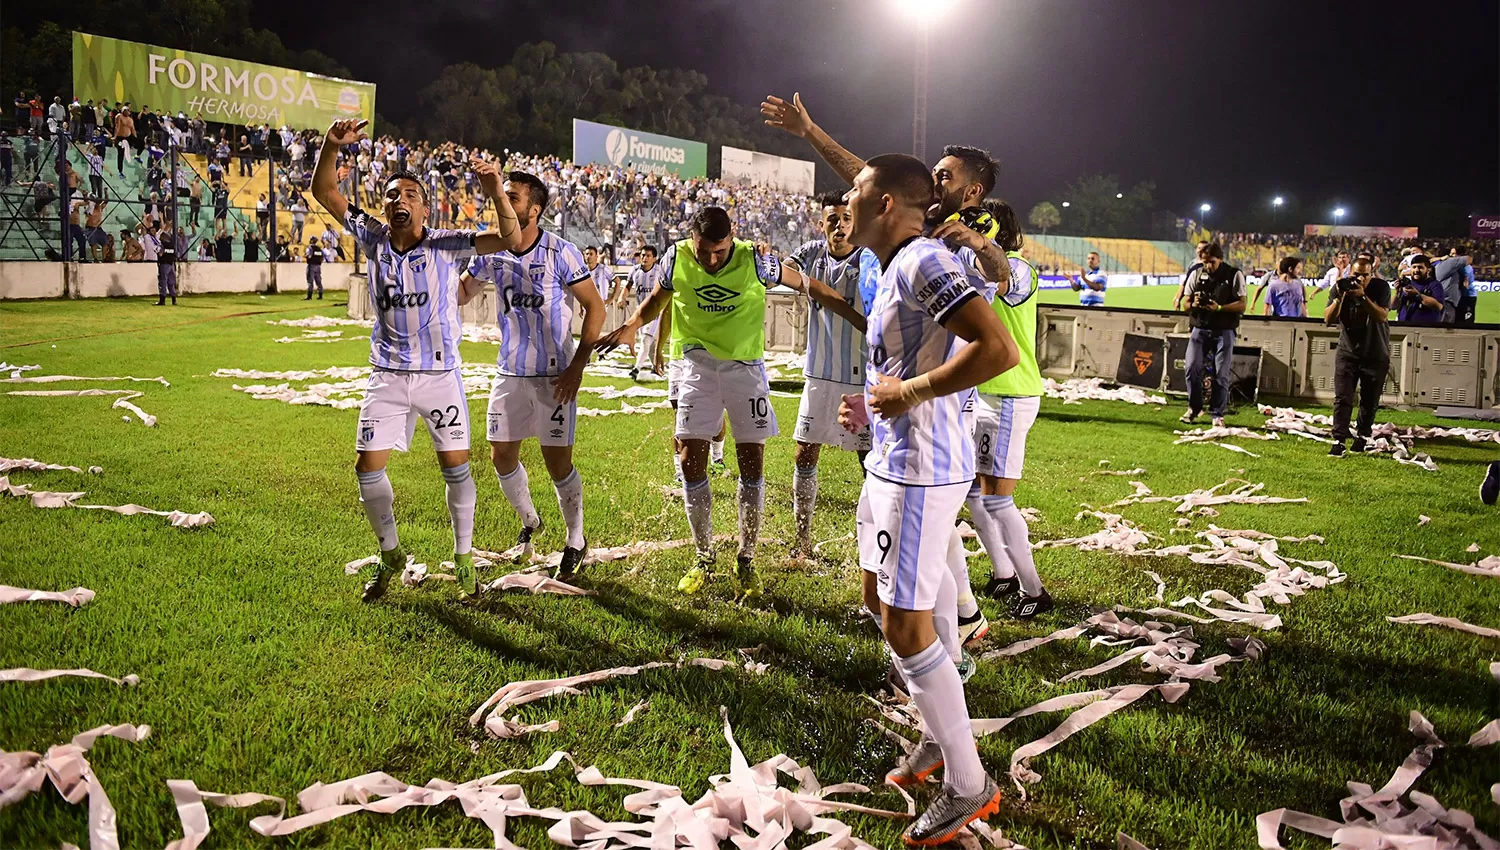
{"x": 1419, "y": 297}
{"x": 1360, "y": 305}
{"x": 1215, "y": 298}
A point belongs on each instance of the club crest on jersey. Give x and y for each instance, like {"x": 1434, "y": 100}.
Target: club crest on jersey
{"x": 418, "y": 261}
{"x": 715, "y": 294}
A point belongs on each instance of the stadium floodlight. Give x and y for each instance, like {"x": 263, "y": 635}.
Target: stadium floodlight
{"x": 1066, "y": 205}
{"x": 1277, "y": 201}
{"x": 1338, "y": 213}
{"x": 1203, "y": 208}
{"x": 921, "y": 13}
{"x": 922, "y": 10}
{"x": 1119, "y": 195}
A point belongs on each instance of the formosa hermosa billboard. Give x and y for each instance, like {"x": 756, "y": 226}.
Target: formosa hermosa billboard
{"x": 220, "y": 89}
{"x": 624, "y": 148}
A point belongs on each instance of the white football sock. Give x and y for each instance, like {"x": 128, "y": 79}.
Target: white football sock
{"x": 700, "y": 513}
{"x": 1017, "y": 537}
{"x": 461, "y": 498}
{"x": 945, "y": 617}
{"x": 804, "y": 497}
{"x": 990, "y": 537}
{"x": 958, "y": 564}
{"x": 380, "y": 507}
{"x": 939, "y": 695}
{"x": 716, "y": 450}
{"x": 517, "y": 487}
{"x": 570, "y": 502}
{"x": 677, "y": 465}
{"x": 752, "y": 498}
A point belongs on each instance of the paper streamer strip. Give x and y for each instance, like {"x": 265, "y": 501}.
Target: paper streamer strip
{"x": 1209, "y": 435}
{"x": 26, "y": 674}
{"x": 1449, "y": 622}
{"x": 64, "y": 765}
{"x": 32, "y": 465}
{"x": 53, "y": 379}
{"x": 1020, "y": 771}
{"x": 52, "y": 499}
{"x": 1077, "y": 390}
{"x": 321, "y": 322}
{"x": 16, "y": 370}
{"x": 124, "y": 400}
{"x": 634, "y": 710}
{"x": 77, "y": 597}
{"x": 1487, "y": 566}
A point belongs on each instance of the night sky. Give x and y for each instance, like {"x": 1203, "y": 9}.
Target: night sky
{"x": 1374, "y": 106}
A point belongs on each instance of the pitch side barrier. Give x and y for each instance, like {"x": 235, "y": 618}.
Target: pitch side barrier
{"x": 1284, "y": 358}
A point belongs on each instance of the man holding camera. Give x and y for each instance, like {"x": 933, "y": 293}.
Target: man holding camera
{"x": 1360, "y": 305}
{"x": 1215, "y": 297}
{"x": 1419, "y": 297}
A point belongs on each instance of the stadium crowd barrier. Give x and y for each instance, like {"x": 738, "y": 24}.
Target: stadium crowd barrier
{"x": 23, "y": 279}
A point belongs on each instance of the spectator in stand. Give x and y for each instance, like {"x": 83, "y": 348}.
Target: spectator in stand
{"x": 247, "y": 156}
{"x": 134, "y": 253}
{"x": 299, "y": 217}
{"x": 43, "y": 194}
{"x": 1419, "y": 297}
{"x": 262, "y": 216}
{"x": 1215, "y": 302}
{"x": 23, "y": 112}
{"x": 95, "y": 158}
{"x": 76, "y": 212}
{"x": 251, "y": 240}
{"x": 1285, "y": 295}
{"x": 223, "y": 242}
{"x": 31, "y": 149}
{"x": 314, "y": 259}
{"x": 7, "y": 158}
{"x": 37, "y": 114}
{"x": 1090, "y": 283}
{"x": 1360, "y": 305}
{"x": 195, "y": 199}
{"x": 1451, "y": 272}
{"x": 331, "y": 242}
{"x": 57, "y": 116}
{"x": 221, "y": 201}
{"x": 93, "y": 231}
{"x": 124, "y": 136}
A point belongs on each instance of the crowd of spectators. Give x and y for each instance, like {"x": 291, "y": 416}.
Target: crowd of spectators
{"x": 122, "y": 149}
{"x": 1249, "y": 250}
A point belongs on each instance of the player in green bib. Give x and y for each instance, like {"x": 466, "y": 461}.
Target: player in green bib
{"x": 715, "y": 287}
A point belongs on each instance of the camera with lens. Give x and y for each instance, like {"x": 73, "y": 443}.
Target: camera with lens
{"x": 1347, "y": 284}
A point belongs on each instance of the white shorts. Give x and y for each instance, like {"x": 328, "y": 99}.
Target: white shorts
{"x": 1000, "y": 427}
{"x": 818, "y": 416}
{"x": 708, "y": 388}
{"x": 645, "y": 346}
{"x": 674, "y": 380}
{"x": 395, "y": 400}
{"x": 903, "y": 536}
{"x": 522, "y": 408}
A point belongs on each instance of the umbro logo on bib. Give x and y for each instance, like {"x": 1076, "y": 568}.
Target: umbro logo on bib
{"x": 716, "y": 293}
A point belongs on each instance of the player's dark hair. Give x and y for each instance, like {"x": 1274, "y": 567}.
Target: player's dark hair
{"x": 905, "y": 178}
{"x": 831, "y": 199}
{"x": 651, "y": 249}
{"x": 594, "y": 248}
{"x": 711, "y": 223}
{"x": 1009, "y": 236}
{"x": 1214, "y": 249}
{"x": 980, "y": 165}
{"x": 1288, "y": 265}
{"x": 403, "y": 174}
{"x": 536, "y": 191}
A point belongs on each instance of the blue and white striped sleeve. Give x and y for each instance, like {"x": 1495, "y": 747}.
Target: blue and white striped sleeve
{"x": 939, "y": 285}
{"x": 666, "y": 263}
{"x": 571, "y": 269}
{"x": 456, "y": 244}
{"x": 1023, "y": 282}
{"x": 367, "y": 230}
{"x": 481, "y": 268}
{"x": 768, "y": 268}
{"x": 801, "y": 259}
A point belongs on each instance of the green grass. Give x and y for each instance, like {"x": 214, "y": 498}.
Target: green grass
{"x": 1160, "y": 298}
{"x": 261, "y": 670}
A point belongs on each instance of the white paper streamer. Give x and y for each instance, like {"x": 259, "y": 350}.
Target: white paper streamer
{"x": 1077, "y": 390}
{"x": 1020, "y": 771}
{"x": 76, "y": 598}
{"x": 54, "y": 499}
{"x": 634, "y": 710}
{"x": 1449, "y": 622}
{"x": 64, "y": 766}
{"x": 32, "y": 465}
{"x": 26, "y": 674}
{"x": 1487, "y": 566}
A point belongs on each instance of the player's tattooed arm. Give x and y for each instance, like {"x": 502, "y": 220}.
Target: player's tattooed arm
{"x": 793, "y": 118}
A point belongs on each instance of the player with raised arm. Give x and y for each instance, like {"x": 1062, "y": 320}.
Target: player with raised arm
{"x": 920, "y": 374}
{"x": 715, "y": 286}
{"x": 835, "y": 356}
{"x": 413, "y": 285}
{"x": 535, "y": 394}
{"x": 964, "y": 176}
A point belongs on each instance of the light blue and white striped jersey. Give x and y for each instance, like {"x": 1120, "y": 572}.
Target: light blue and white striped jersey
{"x": 415, "y": 295}
{"x": 604, "y": 280}
{"x": 835, "y": 348}
{"x": 533, "y": 305}
{"x": 1023, "y": 281}
{"x": 1088, "y": 297}
{"x": 933, "y": 443}
{"x": 642, "y": 282}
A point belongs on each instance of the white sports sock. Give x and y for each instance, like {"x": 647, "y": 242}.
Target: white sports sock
{"x": 380, "y": 507}
{"x": 517, "y": 487}
{"x": 804, "y": 497}
{"x": 990, "y": 537}
{"x": 939, "y": 695}
{"x": 1017, "y": 537}
{"x": 461, "y": 498}
{"x": 752, "y": 498}
{"x": 700, "y": 513}
{"x": 716, "y": 450}
{"x": 958, "y": 564}
{"x": 570, "y": 502}
{"x": 945, "y": 617}
{"x": 677, "y": 465}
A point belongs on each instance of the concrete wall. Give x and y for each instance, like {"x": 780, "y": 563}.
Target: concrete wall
{"x": 114, "y": 280}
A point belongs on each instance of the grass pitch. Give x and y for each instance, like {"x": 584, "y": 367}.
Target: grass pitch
{"x": 261, "y": 670}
